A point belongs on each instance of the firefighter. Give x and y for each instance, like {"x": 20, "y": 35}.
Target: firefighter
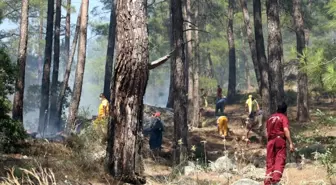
{"x": 222, "y": 125}
{"x": 103, "y": 110}
{"x": 277, "y": 133}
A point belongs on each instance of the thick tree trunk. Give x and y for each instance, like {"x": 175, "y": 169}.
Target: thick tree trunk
{"x": 54, "y": 81}
{"x": 251, "y": 41}
{"x": 21, "y": 63}
{"x": 232, "y": 54}
{"x": 77, "y": 90}
{"x": 262, "y": 60}
{"x": 110, "y": 53}
{"x": 275, "y": 54}
{"x": 67, "y": 30}
{"x": 302, "y": 84}
{"x": 180, "y": 90}
{"x": 127, "y": 91}
{"x": 189, "y": 61}
{"x": 46, "y": 68}
{"x": 196, "y": 97}
{"x": 170, "y": 101}
{"x": 67, "y": 73}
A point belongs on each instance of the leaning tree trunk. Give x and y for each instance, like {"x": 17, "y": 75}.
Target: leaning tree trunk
{"x": 54, "y": 81}
{"x": 196, "y": 97}
{"x": 302, "y": 84}
{"x": 46, "y": 68}
{"x": 110, "y": 53}
{"x": 127, "y": 90}
{"x": 262, "y": 60}
{"x": 61, "y": 96}
{"x": 232, "y": 54}
{"x": 21, "y": 63}
{"x": 77, "y": 90}
{"x": 67, "y": 30}
{"x": 251, "y": 41}
{"x": 189, "y": 61}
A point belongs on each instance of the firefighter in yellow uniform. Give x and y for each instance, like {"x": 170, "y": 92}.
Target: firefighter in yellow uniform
{"x": 222, "y": 125}
{"x": 103, "y": 111}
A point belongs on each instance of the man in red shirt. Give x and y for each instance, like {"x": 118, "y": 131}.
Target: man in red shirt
{"x": 219, "y": 93}
{"x": 277, "y": 134}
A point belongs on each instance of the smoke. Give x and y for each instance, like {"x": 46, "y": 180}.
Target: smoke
{"x": 157, "y": 92}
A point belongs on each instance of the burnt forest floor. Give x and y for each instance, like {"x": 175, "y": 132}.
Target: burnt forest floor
{"x": 69, "y": 166}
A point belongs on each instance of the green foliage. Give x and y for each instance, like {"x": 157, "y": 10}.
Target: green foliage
{"x": 328, "y": 160}
{"x": 10, "y": 131}
{"x": 325, "y": 119}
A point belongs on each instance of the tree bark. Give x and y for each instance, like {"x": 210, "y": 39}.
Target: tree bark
{"x": 21, "y": 62}
{"x": 110, "y": 53}
{"x": 127, "y": 91}
{"x": 46, "y": 68}
{"x": 77, "y": 90}
{"x": 67, "y": 72}
{"x": 180, "y": 90}
{"x": 196, "y": 97}
{"x": 212, "y": 71}
{"x": 54, "y": 81}
{"x": 67, "y": 30}
{"x": 302, "y": 83}
{"x": 232, "y": 54}
{"x": 251, "y": 41}
{"x": 262, "y": 60}
{"x": 275, "y": 54}
{"x": 170, "y": 101}
{"x": 189, "y": 61}
{"x": 40, "y": 48}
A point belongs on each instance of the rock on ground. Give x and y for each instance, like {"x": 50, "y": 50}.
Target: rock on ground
{"x": 246, "y": 182}
{"x": 222, "y": 164}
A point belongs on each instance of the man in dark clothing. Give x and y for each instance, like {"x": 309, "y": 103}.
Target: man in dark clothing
{"x": 220, "y": 105}
{"x": 155, "y": 131}
{"x": 277, "y": 133}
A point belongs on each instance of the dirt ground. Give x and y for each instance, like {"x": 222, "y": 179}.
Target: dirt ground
{"x": 158, "y": 167}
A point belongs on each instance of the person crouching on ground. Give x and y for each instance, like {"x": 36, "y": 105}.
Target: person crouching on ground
{"x": 222, "y": 125}
{"x": 277, "y": 133}
{"x": 155, "y": 131}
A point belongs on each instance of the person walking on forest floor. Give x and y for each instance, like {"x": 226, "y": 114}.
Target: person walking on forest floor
{"x": 277, "y": 133}
{"x": 252, "y": 107}
{"x": 220, "y": 106}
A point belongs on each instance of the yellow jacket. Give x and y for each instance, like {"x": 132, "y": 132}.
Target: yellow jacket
{"x": 103, "y": 110}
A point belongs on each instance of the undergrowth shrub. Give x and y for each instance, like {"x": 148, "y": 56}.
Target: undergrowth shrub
{"x": 39, "y": 176}
{"x": 11, "y": 132}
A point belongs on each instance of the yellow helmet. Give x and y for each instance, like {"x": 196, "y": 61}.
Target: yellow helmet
{"x": 250, "y": 96}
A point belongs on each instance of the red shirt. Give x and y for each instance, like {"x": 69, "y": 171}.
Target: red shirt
{"x": 275, "y": 125}
{"x": 219, "y": 92}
